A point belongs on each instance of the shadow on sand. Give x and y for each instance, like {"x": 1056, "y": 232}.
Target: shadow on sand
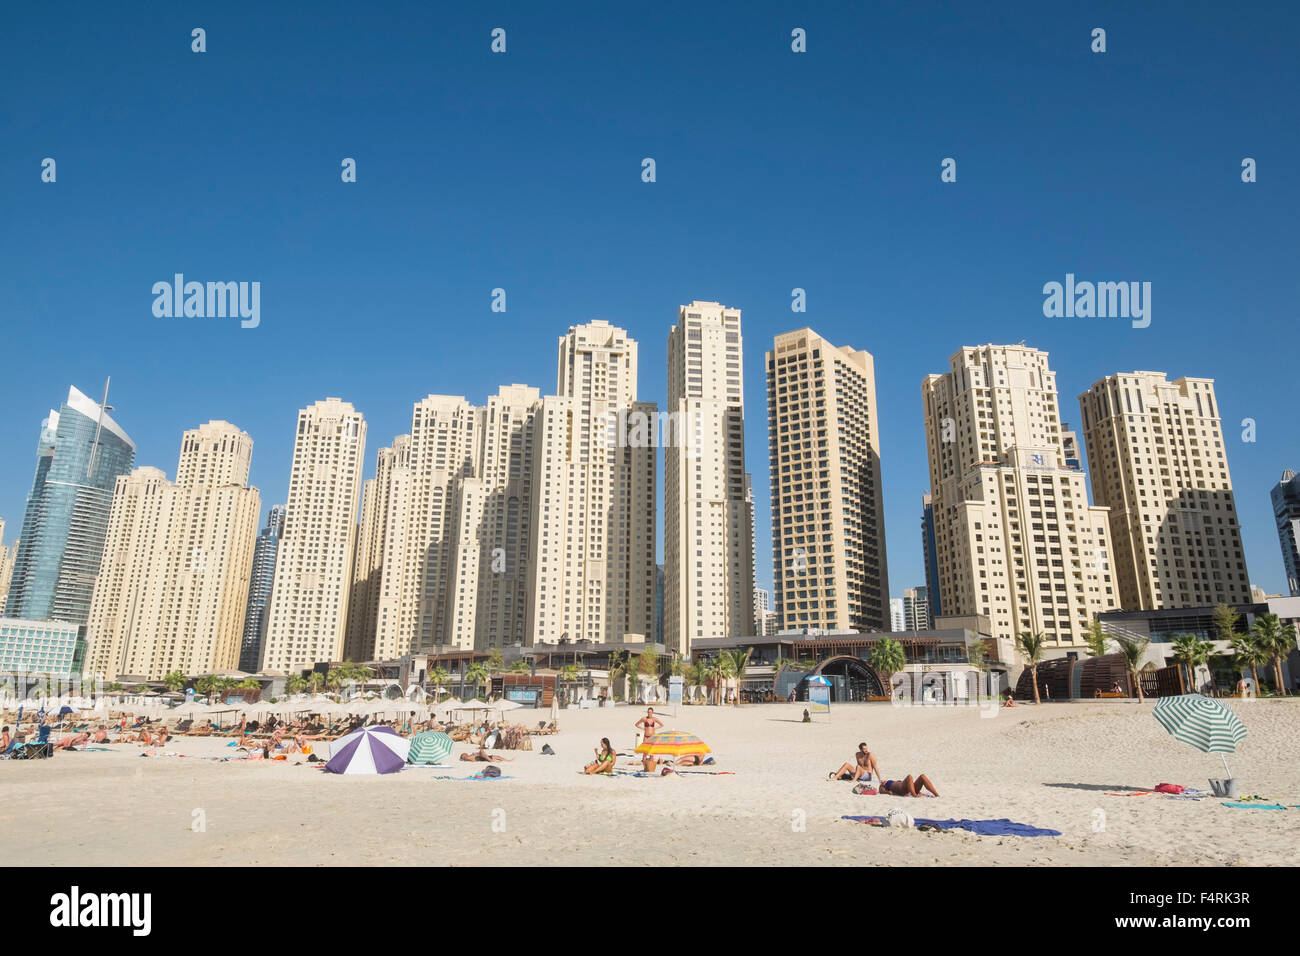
{"x": 1092, "y": 786}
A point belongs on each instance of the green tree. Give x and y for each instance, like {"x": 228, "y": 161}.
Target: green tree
{"x": 1226, "y": 622}
{"x": 1277, "y": 640}
{"x": 568, "y": 677}
{"x": 520, "y": 666}
{"x": 207, "y": 685}
{"x": 438, "y": 677}
{"x": 1186, "y": 647}
{"x": 888, "y": 658}
{"x": 1247, "y": 652}
{"x": 1133, "y": 648}
{"x": 1031, "y": 647}
{"x": 736, "y": 662}
{"x": 174, "y": 680}
{"x": 496, "y": 661}
{"x": 249, "y": 683}
{"x": 296, "y": 684}
{"x": 477, "y": 675}
{"x": 1096, "y": 638}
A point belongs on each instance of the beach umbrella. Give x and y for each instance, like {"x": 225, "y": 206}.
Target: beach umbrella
{"x": 1204, "y": 723}
{"x": 673, "y": 743}
{"x": 368, "y": 750}
{"x": 429, "y": 746}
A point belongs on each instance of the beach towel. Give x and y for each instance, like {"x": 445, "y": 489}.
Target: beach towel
{"x": 481, "y": 777}
{"x": 712, "y": 773}
{"x": 1256, "y": 806}
{"x": 1001, "y": 827}
{"x": 1169, "y": 788}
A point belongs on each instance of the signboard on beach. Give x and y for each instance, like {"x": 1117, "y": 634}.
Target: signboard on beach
{"x": 819, "y": 695}
{"x": 675, "y": 690}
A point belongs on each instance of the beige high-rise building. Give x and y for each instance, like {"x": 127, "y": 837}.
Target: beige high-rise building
{"x": 708, "y": 534}
{"x": 1157, "y": 456}
{"x": 307, "y": 619}
{"x": 368, "y": 562}
{"x": 454, "y": 550}
{"x": 7, "y": 557}
{"x": 593, "y": 509}
{"x": 173, "y": 581}
{"x": 1015, "y": 537}
{"x": 828, "y": 522}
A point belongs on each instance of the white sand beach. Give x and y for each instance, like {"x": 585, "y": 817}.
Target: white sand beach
{"x": 1048, "y": 766}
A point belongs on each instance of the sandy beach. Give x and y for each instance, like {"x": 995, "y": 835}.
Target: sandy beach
{"x": 1050, "y": 765}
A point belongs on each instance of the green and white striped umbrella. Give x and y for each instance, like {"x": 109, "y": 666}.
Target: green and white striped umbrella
{"x": 429, "y": 746}
{"x": 1207, "y": 724}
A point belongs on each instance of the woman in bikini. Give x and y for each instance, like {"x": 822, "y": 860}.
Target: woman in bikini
{"x": 604, "y": 762}
{"x": 911, "y": 787}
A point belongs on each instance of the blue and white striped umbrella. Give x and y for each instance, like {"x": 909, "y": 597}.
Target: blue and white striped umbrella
{"x": 368, "y": 750}
{"x": 1207, "y": 724}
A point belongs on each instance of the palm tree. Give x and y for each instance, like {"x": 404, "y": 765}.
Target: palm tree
{"x": 174, "y": 680}
{"x": 1185, "y": 651}
{"x": 296, "y": 684}
{"x": 1031, "y": 647}
{"x": 1204, "y": 652}
{"x": 496, "y": 661}
{"x": 739, "y": 661}
{"x": 568, "y": 677}
{"x": 437, "y": 677}
{"x": 1134, "y": 649}
{"x": 1277, "y": 641}
{"x": 1248, "y": 652}
{"x": 476, "y": 674}
{"x": 207, "y": 685}
{"x": 520, "y": 666}
{"x": 888, "y": 658}
{"x": 711, "y": 672}
{"x": 1096, "y": 638}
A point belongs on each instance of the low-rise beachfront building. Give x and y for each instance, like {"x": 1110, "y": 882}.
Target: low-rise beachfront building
{"x": 55, "y": 649}
{"x": 938, "y": 665}
{"x": 1160, "y": 627}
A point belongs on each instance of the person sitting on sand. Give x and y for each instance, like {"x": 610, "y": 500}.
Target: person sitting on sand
{"x": 1011, "y": 700}
{"x": 864, "y": 765}
{"x": 604, "y": 762}
{"x": 910, "y": 787}
{"x": 807, "y": 718}
{"x": 5, "y": 740}
{"x": 100, "y": 735}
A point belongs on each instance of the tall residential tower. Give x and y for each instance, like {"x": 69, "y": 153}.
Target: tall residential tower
{"x": 708, "y": 524}
{"x": 828, "y": 523}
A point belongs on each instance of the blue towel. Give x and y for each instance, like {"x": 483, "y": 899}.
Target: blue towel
{"x": 1256, "y": 806}
{"x": 1001, "y": 827}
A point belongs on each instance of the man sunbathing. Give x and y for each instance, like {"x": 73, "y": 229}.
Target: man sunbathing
{"x": 72, "y": 740}
{"x": 911, "y": 787}
{"x": 693, "y": 760}
{"x": 864, "y": 765}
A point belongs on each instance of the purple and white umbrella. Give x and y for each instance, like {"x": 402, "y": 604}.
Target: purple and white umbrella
{"x": 368, "y": 750}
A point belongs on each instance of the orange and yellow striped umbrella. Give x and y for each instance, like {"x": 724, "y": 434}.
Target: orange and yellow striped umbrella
{"x": 673, "y": 743}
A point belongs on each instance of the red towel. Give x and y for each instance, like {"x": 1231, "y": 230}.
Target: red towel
{"x": 1169, "y": 788}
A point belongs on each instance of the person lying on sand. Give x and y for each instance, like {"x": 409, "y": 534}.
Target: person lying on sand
{"x": 604, "y": 762}
{"x": 911, "y": 787}
{"x": 863, "y": 766}
{"x": 693, "y": 760}
{"x": 72, "y": 740}
{"x": 101, "y": 735}
{"x": 482, "y": 756}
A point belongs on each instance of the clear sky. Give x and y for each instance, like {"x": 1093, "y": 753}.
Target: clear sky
{"x": 522, "y": 170}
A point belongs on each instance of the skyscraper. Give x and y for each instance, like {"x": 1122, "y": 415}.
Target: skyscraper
{"x": 930, "y": 550}
{"x": 371, "y": 551}
{"x": 313, "y": 571}
{"x": 259, "y": 589}
{"x": 1286, "y": 510}
{"x": 7, "y": 555}
{"x": 173, "y": 588}
{"x": 80, "y": 454}
{"x": 708, "y": 531}
{"x": 593, "y": 541}
{"x": 828, "y": 526}
{"x": 916, "y": 609}
{"x": 1158, "y": 463}
{"x": 1015, "y": 539}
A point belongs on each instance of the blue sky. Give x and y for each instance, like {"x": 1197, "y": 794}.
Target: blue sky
{"x": 775, "y": 170}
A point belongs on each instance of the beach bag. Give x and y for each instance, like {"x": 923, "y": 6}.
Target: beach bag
{"x": 491, "y": 772}
{"x": 546, "y": 749}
